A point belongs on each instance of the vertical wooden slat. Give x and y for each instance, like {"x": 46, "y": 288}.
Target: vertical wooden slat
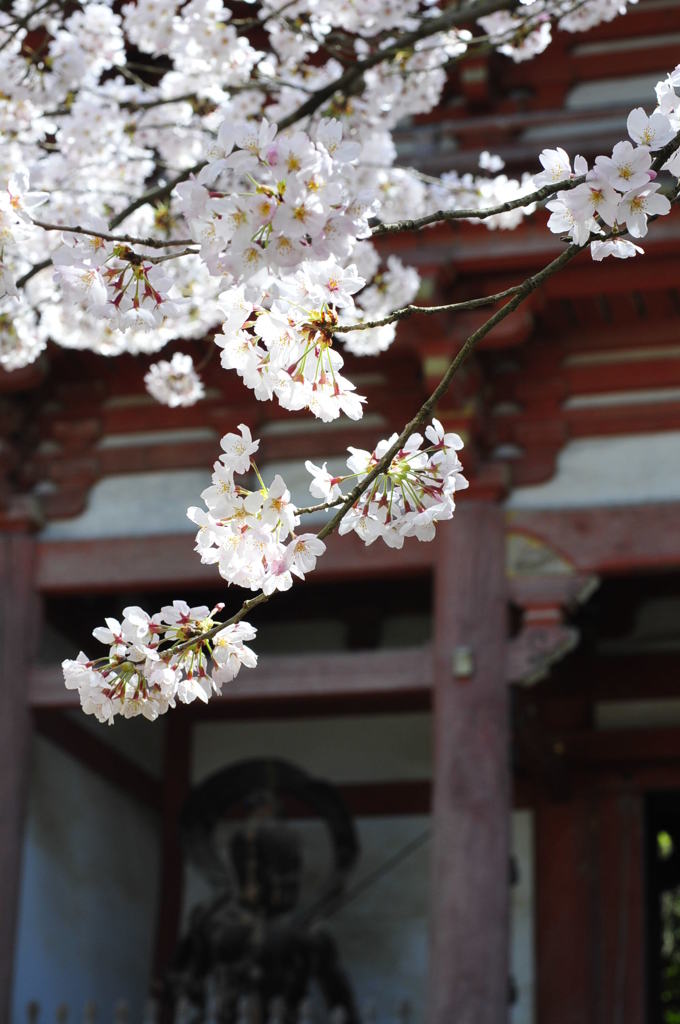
{"x": 568, "y": 954}
{"x": 18, "y": 615}
{"x": 471, "y": 796}
{"x": 621, "y": 878}
{"x": 175, "y": 786}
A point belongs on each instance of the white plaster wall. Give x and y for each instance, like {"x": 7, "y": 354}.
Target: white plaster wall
{"x": 625, "y": 470}
{"x": 88, "y": 893}
{"x": 135, "y": 505}
{"x": 155, "y": 502}
{"x": 383, "y": 933}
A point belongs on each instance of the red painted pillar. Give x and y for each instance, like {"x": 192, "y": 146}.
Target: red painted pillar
{"x": 18, "y": 619}
{"x": 471, "y": 794}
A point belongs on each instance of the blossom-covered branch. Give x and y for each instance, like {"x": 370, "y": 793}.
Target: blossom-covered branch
{"x": 247, "y": 215}
{"x": 401, "y": 491}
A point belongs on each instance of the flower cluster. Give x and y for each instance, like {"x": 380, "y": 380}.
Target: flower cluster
{"x": 250, "y": 535}
{"x": 155, "y": 660}
{"x": 285, "y": 350}
{"x": 261, "y": 203}
{"x": 619, "y": 192}
{"x": 174, "y": 382}
{"x": 405, "y": 500}
{"x": 527, "y": 31}
{"x": 114, "y": 282}
{"x": 274, "y": 201}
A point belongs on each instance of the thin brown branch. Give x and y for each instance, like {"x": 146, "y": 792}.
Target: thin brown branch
{"x": 428, "y": 27}
{"x": 407, "y": 311}
{"x": 539, "y": 196}
{"x": 319, "y": 508}
{"x": 170, "y": 256}
{"x": 35, "y": 269}
{"x": 246, "y": 607}
{"x": 151, "y": 243}
{"x": 457, "y": 16}
{"x": 24, "y": 21}
{"x": 663, "y": 155}
{"x": 490, "y": 211}
{"x": 157, "y": 192}
{"x": 522, "y": 292}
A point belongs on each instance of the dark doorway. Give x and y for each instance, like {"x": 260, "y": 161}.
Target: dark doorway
{"x": 662, "y": 837}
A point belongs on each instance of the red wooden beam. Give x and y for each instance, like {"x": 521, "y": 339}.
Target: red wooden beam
{"x": 607, "y": 421}
{"x": 613, "y": 539}
{"x": 589, "y": 340}
{"x": 108, "y": 564}
{"x": 589, "y": 902}
{"x": 653, "y": 372}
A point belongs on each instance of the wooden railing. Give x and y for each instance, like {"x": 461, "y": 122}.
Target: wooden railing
{"x": 248, "y": 1012}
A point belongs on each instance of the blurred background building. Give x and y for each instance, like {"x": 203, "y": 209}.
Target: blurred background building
{"x": 499, "y": 711}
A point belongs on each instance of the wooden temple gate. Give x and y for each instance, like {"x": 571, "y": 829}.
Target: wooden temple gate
{"x": 593, "y": 356}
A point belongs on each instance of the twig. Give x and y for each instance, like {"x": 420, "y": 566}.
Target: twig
{"x": 35, "y": 269}
{"x": 170, "y": 256}
{"x": 246, "y": 607}
{"x": 406, "y": 311}
{"x": 429, "y": 27}
{"x": 522, "y": 292}
{"x": 151, "y": 243}
{"x": 158, "y": 192}
{"x": 490, "y": 211}
{"x": 319, "y": 508}
{"x": 667, "y": 151}
{"x": 24, "y": 21}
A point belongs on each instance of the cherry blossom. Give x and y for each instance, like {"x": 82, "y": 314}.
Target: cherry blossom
{"x": 22, "y": 337}
{"x": 627, "y": 168}
{"x": 621, "y": 248}
{"x": 652, "y": 131}
{"x": 284, "y": 349}
{"x": 638, "y": 204}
